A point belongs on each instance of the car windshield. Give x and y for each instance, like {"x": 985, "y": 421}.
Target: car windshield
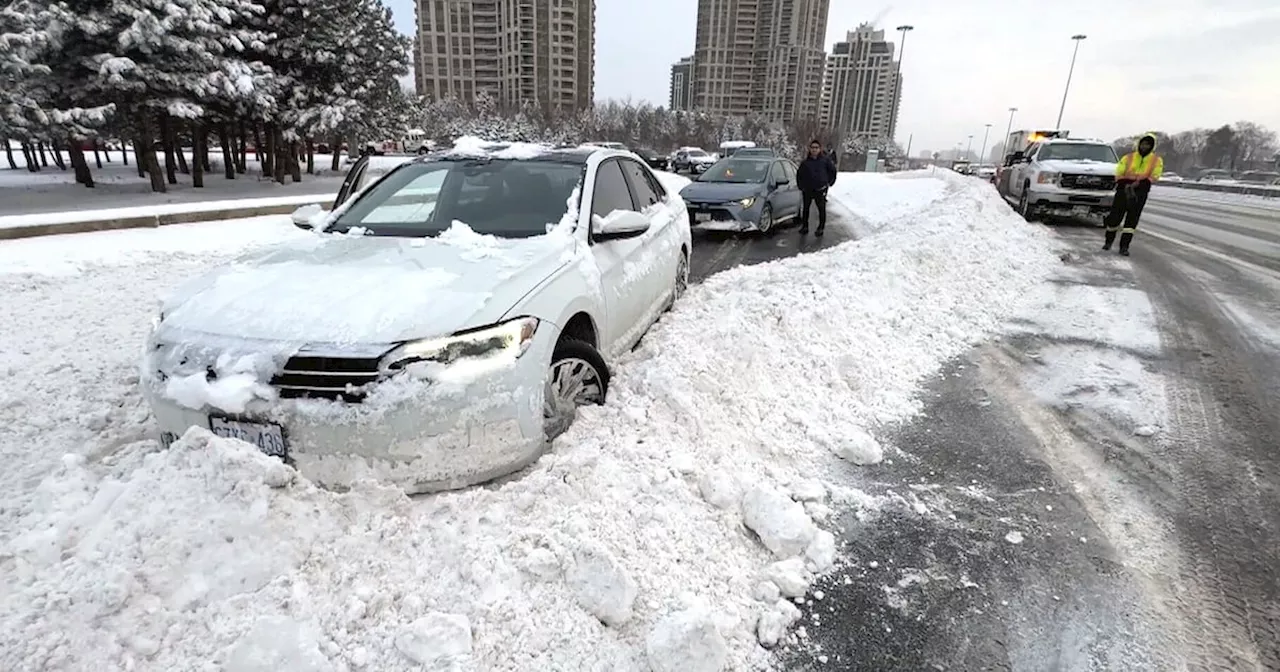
{"x": 504, "y": 198}
{"x": 737, "y": 171}
{"x": 1077, "y": 152}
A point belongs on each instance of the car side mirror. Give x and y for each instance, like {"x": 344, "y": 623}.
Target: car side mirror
{"x": 307, "y": 216}
{"x": 780, "y": 182}
{"x": 619, "y": 225}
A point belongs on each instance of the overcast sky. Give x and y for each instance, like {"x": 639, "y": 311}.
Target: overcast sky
{"x": 1171, "y": 65}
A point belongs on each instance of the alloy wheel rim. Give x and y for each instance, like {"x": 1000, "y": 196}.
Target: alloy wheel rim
{"x": 573, "y": 382}
{"x": 766, "y": 219}
{"x": 682, "y": 276}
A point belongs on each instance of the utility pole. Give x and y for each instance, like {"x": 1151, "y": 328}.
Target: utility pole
{"x": 968, "y": 151}
{"x": 982, "y": 155}
{"x": 1070, "y": 71}
{"x": 1007, "y": 131}
{"x": 897, "y": 81}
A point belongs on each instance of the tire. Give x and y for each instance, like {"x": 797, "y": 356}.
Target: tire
{"x": 766, "y": 220}
{"x": 571, "y": 355}
{"x": 681, "y": 282}
{"x": 1024, "y": 205}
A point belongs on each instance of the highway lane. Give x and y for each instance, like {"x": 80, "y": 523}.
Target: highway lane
{"x": 1242, "y": 231}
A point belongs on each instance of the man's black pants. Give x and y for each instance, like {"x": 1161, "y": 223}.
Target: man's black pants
{"x": 818, "y": 198}
{"x": 1126, "y": 208}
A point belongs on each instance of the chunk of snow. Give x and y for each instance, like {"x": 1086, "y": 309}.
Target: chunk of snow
{"x": 821, "y": 552}
{"x": 687, "y": 641}
{"x": 790, "y": 576}
{"x": 601, "y": 584}
{"x": 809, "y": 490}
{"x": 437, "y": 639}
{"x": 780, "y": 522}
{"x": 719, "y": 489}
{"x": 858, "y": 447}
{"x": 774, "y": 622}
{"x": 1014, "y": 537}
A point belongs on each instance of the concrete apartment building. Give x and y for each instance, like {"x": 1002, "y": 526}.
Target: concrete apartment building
{"x": 517, "y": 50}
{"x": 682, "y": 84}
{"x": 762, "y": 56}
{"x": 861, "y": 84}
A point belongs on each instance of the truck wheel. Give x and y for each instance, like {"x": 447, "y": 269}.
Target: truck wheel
{"x": 1024, "y": 204}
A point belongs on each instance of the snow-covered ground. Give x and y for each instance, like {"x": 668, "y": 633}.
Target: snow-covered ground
{"x": 665, "y": 531}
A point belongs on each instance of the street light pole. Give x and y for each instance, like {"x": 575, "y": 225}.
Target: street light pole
{"x": 897, "y": 81}
{"x": 1009, "y": 130}
{"x": 968, "y": 151}
{"x": 1076, "y": 50}
{"x": 982, "y": 155}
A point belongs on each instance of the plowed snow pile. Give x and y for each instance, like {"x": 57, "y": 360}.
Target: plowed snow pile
{"x": 666, "y": 531}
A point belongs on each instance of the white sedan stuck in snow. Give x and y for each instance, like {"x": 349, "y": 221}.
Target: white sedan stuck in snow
{"x": 439, "y": 327}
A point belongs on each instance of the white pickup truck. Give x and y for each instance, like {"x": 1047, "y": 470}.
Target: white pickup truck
{"x": 1063, "y": 177}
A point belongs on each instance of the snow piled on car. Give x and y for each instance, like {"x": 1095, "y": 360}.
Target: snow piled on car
{"x": 667, "y": 530}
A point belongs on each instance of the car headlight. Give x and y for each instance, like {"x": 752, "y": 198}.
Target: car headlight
{"x": 508, "y": 339}
{"x": 1048, "y": 178}
{"x": 747, "y": 202}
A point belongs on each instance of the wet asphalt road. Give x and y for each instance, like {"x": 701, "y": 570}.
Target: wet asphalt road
{"x": 1146, "y": 555}
{"x": 715, "y": 251}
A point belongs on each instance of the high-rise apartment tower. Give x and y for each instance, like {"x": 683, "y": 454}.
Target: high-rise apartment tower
{"x": 517, "y": 50}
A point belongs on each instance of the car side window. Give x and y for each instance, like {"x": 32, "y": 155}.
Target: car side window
{"x": 777, "y": 173}
{"x": 641, "y": 187}
{"x": 611, "y": 191}
{"x": 790, "y": 169}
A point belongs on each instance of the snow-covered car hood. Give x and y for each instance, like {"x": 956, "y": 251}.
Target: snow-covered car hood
{"x": 720, "y": 192}
{"x": 347, "y": 289}
{"x": 1078, "y": 167}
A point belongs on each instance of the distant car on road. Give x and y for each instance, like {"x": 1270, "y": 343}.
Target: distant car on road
{"x": 611, "y": 145}
{"x": 397, "y": 343}
{"x": 1065, "y": 178}
{"x": 743, "y": 194}
{"x": 755, "y": 153}
{"x": 655, "y": 160}
{"x": 692, "y": 160}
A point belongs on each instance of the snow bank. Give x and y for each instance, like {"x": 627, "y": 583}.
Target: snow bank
{"x": 664, "y": 532}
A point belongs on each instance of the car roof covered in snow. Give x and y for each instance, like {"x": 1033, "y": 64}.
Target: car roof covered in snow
{"x": 474, "y": 148}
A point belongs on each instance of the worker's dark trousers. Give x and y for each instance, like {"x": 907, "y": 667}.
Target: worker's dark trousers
{"x": 1127, "y": 209}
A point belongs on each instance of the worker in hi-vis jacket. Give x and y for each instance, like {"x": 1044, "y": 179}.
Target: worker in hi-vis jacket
{"x": 1135, "y": 173}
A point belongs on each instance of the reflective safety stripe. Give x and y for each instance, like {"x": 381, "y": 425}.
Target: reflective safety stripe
{"x": 1129, "y": 174}
{"x": 1113, "y": 228}
{"x": 1128, "y": 230}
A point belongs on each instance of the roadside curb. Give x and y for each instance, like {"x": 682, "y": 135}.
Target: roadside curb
{"x": 149, "y": 221}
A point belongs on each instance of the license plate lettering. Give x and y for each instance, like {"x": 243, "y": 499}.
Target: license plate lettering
{"x": 702, "y": 217}
{"x": 269, "y": 438}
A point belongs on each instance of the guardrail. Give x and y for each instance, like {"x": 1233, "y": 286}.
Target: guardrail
{"x": 1249, "y": 189}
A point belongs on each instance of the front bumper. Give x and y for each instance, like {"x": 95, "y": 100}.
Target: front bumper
{"x": 422, "y": 436}
{"x": 721, "y": 216}
{"x": 1054, "y": 200}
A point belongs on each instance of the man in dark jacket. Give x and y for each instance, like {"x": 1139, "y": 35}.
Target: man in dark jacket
{"x": 815, "y": 175}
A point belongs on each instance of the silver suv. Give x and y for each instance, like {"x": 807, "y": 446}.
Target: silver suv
{"x": 1064, "y": 178}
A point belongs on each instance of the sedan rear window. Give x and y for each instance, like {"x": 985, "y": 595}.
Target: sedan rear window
{"x": 500, "y": 197}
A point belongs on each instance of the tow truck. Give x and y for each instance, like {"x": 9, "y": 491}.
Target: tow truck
{"x": 1015, "y": 149}
{"x": 1063, "y": 177}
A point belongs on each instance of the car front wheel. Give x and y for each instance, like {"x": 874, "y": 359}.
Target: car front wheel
{"x": 578, "y": 377}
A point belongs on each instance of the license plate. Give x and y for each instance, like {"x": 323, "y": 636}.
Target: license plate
{"x": 1082, "y": 210}
{"x": 167, "y": 439}
{"x": 269, "y": 438}
{"x": 701, "y": 216}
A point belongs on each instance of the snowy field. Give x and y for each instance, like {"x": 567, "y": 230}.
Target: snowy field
{"x": 665, "y": 531}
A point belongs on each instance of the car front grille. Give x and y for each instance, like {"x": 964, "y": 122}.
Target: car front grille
{"x": 326, "y": 377}
{"x": 1090, "y": 182}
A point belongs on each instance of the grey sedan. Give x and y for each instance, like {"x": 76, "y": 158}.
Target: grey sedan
{"x": 743, "y": 194}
